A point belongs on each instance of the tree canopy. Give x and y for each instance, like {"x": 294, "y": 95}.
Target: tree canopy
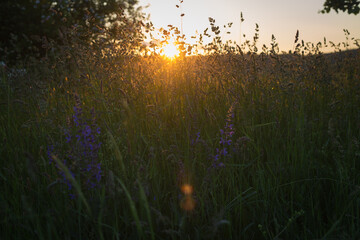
{"x": 349, "y": 6}
{"x": 24, "y": 21}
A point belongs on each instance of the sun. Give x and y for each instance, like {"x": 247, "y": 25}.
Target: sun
{"x": 170, "y": 50}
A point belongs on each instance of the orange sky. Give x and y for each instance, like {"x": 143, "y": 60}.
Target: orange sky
{"x": 279, "y": 17}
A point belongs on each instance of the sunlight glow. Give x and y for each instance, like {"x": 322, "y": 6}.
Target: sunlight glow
{"x": 170, "y": 50}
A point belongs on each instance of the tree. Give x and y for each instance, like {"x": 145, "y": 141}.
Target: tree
{"x": 24, "y": 24}
{"x": 349, "y": 6}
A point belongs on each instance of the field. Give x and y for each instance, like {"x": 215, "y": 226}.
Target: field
{"x": 230, "y": 145}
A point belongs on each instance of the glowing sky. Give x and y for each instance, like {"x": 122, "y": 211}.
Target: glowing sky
{"x": 279, "y": 17}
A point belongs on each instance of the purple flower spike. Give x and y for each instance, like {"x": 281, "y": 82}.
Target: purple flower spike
{"x": 82, "y": 150}
{"x": 225, "y": 142}
{"x": 87, "y": 131}
{"x": 225, "y": 152}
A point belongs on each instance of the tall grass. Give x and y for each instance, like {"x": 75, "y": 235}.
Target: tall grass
{"x": 269, "y": 143}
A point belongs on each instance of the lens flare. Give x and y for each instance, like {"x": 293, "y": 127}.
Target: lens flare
{"x": 187, "y": 189}
{"x": 187, "y": 203}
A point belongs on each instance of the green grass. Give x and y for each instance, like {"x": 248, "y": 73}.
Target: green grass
{"x": 294, "y": 173}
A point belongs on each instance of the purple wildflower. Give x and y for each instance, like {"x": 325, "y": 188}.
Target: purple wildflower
{"x": 226, "y": 141}
{"x": 196, "y": 140}
{"x": 67, "y": 136}
{"x": 81, "y": 156}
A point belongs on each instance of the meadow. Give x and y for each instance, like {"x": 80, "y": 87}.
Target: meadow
{"x": 233, "y": 144}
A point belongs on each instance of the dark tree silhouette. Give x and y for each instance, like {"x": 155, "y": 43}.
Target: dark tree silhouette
{"x": 349, "y": 6}
{"x": 24, "y": 24}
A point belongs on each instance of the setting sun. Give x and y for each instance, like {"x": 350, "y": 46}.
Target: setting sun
{"x": 170, "y": 50}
